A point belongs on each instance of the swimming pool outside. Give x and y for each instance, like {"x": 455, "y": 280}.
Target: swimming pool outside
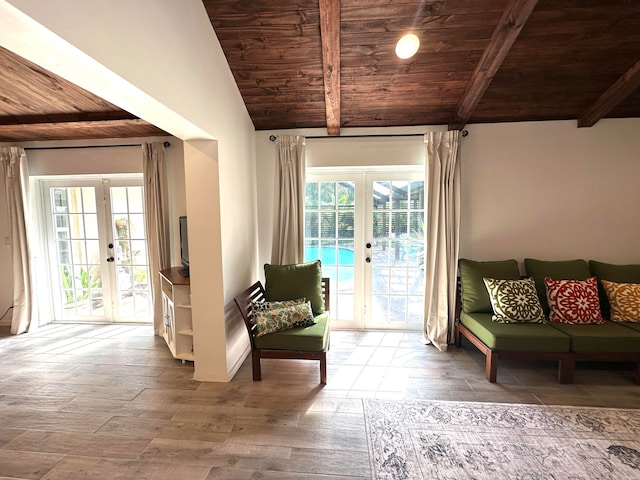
{"x": 330, "y": 255}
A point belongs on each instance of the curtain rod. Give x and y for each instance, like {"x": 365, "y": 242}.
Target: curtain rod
{"x": 464, "y": 133}
{"x": 166, "y": 145}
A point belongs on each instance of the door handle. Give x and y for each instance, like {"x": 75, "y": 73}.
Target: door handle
{"x": 110, "y": 259}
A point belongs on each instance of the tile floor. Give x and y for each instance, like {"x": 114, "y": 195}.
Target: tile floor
{"x": 97, "y": 402}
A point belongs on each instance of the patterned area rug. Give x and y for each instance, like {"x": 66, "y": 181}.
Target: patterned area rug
{"x": 463, "y": 440}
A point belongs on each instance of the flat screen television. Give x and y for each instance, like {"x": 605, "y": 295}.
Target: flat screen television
{"x": 184, "y": 247}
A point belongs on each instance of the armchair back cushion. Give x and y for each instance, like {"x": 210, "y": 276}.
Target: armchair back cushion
{"x": 286, "y": 282}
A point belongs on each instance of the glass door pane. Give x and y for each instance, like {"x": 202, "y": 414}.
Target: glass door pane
{"x": 98, "y": 251}
{"x": 132, "y": 286}
{"x": 397, "y": 254}
{"x": 78, "y": 277}
{"x": 330, "y": 235}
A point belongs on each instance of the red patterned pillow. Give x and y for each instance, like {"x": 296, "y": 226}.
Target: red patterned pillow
{"x": 574, "y": 301}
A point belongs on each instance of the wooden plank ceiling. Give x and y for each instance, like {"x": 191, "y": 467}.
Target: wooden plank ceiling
{"x": 331, "y": 64}
{"x": 38, "y": 105}
{"x": 479, "y": 61}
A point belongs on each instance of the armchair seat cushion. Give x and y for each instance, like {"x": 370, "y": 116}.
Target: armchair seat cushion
{"x": 305, "y": 339}
{"x": 515, "y": 337}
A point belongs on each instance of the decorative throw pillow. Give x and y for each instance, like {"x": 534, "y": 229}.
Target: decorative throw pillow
{"x": 514, "y": 300}
{"x": 624, "y": 299}
{"x": 283, "y": 318}
{"x": 264, "y": 306}
{"x": 573, "y": 301}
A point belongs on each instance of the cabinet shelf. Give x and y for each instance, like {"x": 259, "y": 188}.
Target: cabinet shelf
{"x": 176, "y": 312}
{"x": 186, "y": 356}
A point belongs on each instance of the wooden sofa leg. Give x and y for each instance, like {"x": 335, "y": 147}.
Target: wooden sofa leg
{"x": 457, "y": 337}
{"x": 323, "y": 368}
{"x": 491, "y": 366}
{"x": 255, "y": 362}
{"x": 566, "y": 369}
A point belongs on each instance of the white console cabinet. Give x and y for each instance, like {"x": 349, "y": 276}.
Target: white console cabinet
{"x": 176, "y": 313}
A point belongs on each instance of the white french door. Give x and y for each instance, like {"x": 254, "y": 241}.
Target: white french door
{"x": 97, "y": 249}
{"x": 367, "y": 228}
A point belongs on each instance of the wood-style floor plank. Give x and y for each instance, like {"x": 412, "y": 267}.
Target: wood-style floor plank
{"x": 85, "y": 402}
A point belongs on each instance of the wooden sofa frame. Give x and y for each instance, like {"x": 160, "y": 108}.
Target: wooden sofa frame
{"x": 256, "y": 293}
{"x": 566, "y": 360}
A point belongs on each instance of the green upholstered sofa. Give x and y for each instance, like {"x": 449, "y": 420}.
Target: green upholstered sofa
{"x": 561, "y": 342}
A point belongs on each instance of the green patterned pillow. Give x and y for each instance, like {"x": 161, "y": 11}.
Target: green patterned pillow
{"x": 263, "y": 306}
{"x": 514, "y": 300}
{"x": 282, "y": 318}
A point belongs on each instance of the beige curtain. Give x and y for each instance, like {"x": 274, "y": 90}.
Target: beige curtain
{"x": 16, "y": 180}
{"x": 443, "y": 230}
{"x": 288, "y": 224}
{"x": 157, "y": 222}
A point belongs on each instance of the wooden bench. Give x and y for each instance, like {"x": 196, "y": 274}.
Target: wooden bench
{"x": 304, "y": 343}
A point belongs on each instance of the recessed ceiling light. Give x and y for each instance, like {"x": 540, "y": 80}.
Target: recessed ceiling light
{"x": 407, "y": 46}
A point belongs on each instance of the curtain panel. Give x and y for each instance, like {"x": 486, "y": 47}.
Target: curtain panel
{"x": 288, "y": 222}
{"x": 443, "y": 235}
{"x": 157, "y": 222}
{"x": 16, "y": 179}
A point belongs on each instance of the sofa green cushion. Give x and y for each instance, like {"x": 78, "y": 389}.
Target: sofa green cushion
{"x": 307, "y": 339}
{"x": 515, "y": 337}
{"x": 557, "y": 270}
{"x": 286, "y": 282}
{"x": 475, "y": 297}
{"x": 632, "y": 325}
{"x": 613, "y": 273}
{"x": 601, "y": 338}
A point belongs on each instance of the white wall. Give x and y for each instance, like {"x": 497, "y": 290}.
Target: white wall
{"x": 49, "y": 159}
{"x": 161, "y": 61}
{"x": 356, "y": 151}
{"x": 536, "y": 189}
{"x": 552, "y": 191}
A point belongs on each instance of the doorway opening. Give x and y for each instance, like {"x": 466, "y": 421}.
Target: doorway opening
{"x": 94, "y": 242}
{"x": 367, "y": 228}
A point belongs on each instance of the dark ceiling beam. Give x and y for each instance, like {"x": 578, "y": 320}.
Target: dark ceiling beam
{"x": 616, "y": 93}
{"x": 68, "y": 130}
{"x": 330, "y": 34}
{"x": 65, "y": 118}
{"x": 505, "y": 34}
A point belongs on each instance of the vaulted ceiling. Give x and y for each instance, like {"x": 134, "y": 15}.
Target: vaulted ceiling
{"x": 331, "y": 64}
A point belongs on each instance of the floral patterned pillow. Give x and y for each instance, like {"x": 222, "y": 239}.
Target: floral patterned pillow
{"x": 283, "y": 318}
{"x": 514, "y": 300}
{"x": 264, "y": 306}
{"x": 574, "y": 301}
{"x": 624, "y": 299}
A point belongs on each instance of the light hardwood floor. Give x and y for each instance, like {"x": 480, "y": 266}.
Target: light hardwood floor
{"x": 109, "y": 402}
